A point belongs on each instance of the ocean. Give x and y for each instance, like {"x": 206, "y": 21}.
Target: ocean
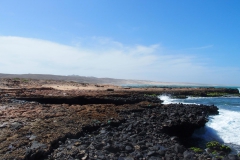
{"x": 224, "y": 127}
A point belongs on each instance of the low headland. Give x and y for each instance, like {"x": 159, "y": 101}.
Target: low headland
{"x": 57, "y": 119}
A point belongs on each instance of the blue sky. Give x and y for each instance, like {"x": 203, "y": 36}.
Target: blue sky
{"x": 170, "y": 41}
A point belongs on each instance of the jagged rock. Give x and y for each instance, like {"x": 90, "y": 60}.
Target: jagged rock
{"x": 36, "y": 122}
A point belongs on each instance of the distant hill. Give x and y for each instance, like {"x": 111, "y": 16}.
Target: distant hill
{"x": 83, "y": 79}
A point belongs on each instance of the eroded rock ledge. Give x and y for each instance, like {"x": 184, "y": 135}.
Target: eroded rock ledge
{"x": 147, "y": 133}
{"x": 36, "y": 122}
{"x": 31, "y": 130}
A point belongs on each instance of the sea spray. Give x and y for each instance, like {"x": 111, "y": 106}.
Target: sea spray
{"x": 166, "y": 99}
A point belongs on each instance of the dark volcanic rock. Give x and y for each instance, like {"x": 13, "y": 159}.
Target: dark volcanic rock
{"x": 82, "y": 100}
{"x": 142, "y": 135}
{"x": 181, "y": 120}
{"x": 99, "y": 124}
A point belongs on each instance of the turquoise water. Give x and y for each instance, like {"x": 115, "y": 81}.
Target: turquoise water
{"x": 224, "y": 127}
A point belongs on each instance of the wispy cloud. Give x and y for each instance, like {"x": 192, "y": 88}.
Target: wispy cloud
{"x": 103, "y": 57}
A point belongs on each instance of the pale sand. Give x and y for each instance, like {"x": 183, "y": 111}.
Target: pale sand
{"x": 81, "y": 87}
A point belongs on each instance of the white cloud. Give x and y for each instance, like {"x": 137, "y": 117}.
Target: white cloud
{"x": 103, "y": 57}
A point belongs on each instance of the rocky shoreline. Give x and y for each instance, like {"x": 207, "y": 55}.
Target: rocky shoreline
{"x": 105, "y": 122}
{"x": 151, "y": 133}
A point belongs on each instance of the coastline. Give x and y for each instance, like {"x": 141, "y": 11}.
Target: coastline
{"x": 37, "y": 114}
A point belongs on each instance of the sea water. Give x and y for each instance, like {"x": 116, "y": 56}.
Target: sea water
{"x": 224, "y": 127}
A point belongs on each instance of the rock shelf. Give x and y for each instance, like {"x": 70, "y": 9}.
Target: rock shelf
{"x": 146, "y": 134}
{"x": 103, "y": 122}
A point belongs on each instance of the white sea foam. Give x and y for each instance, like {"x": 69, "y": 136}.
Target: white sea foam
{"x": 223, "y": 127}
{"x": 227, "y": 126}
{"x": 167, "y": 99}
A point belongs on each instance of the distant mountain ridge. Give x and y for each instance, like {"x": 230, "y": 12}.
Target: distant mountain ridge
{"x": 83, "y": 79}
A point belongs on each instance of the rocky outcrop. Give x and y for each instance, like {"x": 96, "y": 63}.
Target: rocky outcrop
{"x": 204, "y": 92}
{"x": 31, "y": 130}
{"x": 149, "y": 133}
{"x": 83, "y": 100}
{"x": 184, "y": 119}
{"x": 46, "y": 123}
